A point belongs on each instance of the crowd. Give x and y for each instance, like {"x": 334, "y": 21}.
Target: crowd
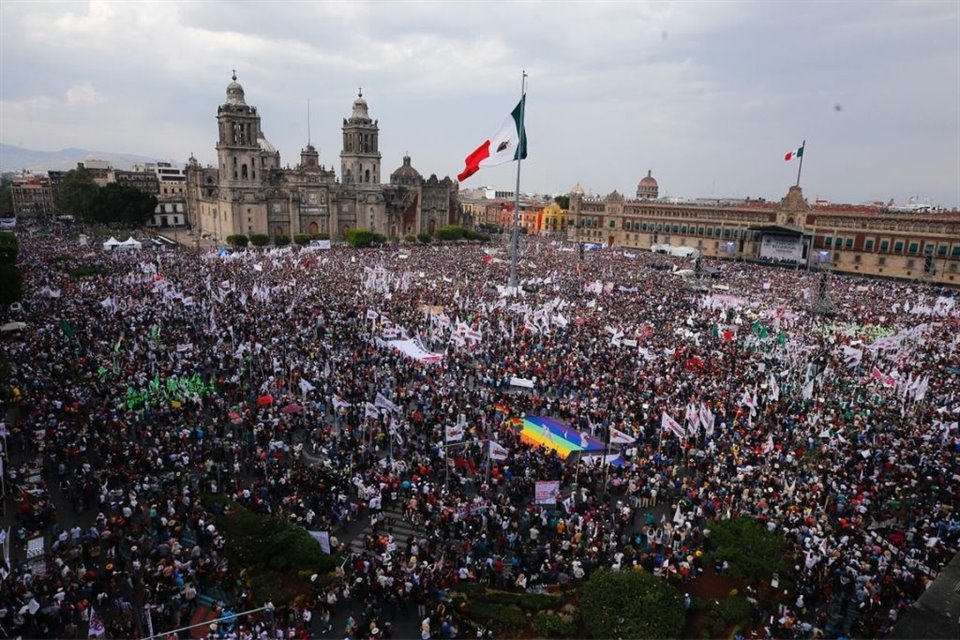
{"x": 273, "y": 378}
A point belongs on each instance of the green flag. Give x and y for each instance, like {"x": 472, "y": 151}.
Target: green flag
{"x": 155, "y": 333}
{"x": 715, "y": 332}
{"x": 782, "y": 338}
{"x": 67, "y": 329}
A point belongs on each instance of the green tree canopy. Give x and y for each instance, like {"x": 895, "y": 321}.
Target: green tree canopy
{"x": 259, "y": 239}
{"x": 124, "y": 204}
{"x": 631, "y": 604}
{"x": 360, "y": 237}
{"x": 449, "y": 232}
{"x": 238, "y": 241}
{"x": 563, "y": 201}
{"x": 6, "y": 201}
{"x": 78, "y": 193}
{"x": 11, "y": 284}
{"x": 9, "y": 248}
{"x": 752, "y": 550}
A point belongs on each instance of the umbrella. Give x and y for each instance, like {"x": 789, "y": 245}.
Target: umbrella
{"x": 264, "y": 400}
{"x": 291, "y": 408}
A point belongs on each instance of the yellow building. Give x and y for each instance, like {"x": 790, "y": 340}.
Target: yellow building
{"x": 849, "y": 238}
{"x": 554, "y": 220}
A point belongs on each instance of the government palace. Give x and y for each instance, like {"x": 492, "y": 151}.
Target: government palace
{"x": 876, "y": 241}
{"x": 249, "y": 192}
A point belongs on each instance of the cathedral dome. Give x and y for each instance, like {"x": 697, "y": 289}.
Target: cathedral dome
{"x": 235, "y": 92}
{"x": 577, "y": 190}
{"x": 406, "y": 174}
{"x": 649, "y": 180}
{"x": 264, "y": 143}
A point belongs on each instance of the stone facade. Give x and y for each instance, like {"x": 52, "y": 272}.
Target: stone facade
{"x": 859, "y": 239}
{"x": 249, "y": 192}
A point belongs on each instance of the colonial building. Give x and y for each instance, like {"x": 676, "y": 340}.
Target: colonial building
{"x": 248, "y": 191}
{"x": 847, "y": 238}
{"x": 33, "y": 195}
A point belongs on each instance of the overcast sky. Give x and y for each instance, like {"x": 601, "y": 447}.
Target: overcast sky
{"x": 708, "y": 95}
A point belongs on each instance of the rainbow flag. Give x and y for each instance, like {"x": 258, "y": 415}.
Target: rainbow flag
{"x": 546, "y": 432}
{"x": 501, "y": 408}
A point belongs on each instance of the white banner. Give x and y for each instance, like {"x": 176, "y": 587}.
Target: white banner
{"x": 323, "y": 537}
{"x": 454, "y": 433}
{"x": 547, "y": 491}
{"x": 521, "y": 382}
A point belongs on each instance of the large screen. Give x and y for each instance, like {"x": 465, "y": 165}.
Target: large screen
{"x": 781, "y": 248}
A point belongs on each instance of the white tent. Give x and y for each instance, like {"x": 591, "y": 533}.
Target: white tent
{"x": 130, "y": 243}
{"x": 111, "y": 243}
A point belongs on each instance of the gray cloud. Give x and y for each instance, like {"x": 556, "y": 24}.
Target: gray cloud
{"x": 708, "y": 95}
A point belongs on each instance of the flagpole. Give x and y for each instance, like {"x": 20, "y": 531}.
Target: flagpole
{"x": 516, "y": 196}
{"x": 606, "y": 466}
{"x": 799, "y": 169}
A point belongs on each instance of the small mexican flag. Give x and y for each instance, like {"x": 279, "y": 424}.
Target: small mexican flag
{"x": 507, "y": 145}
{"x": 796, "y": 153}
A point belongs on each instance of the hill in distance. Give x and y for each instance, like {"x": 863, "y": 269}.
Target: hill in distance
{"x": 13, "y": 158}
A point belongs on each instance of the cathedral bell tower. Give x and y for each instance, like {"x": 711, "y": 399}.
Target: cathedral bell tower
{"x": 238, "y": 146}
{"x": 360, "y": 158}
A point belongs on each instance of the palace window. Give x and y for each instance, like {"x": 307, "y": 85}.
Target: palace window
{"x": 849, "y": 243}
{"x": 828, "y": 242}
{"x": 942, "y": 250}
{"x": 956, "y": 251}
{"x": 914, "y": 247}
{"x": 898, "y": 246}
{"x": 868, "y": 244}
{"x": 884, "y": 245}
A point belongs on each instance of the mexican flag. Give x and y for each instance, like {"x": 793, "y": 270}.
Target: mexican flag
{"x": 506, "y": 145}
{"x": 796, "y": 153}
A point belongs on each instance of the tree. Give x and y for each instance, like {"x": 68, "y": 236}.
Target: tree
{"x": 360, "y": 237}
{"x": 449, "y": 232}
{"x": 11, "y": 284}
{"x": 631, "y": 604}
{"x": 238, "y": 241}
{"x": 259, "y": 239}
{"x": 123, "y": 204}
{"x": 6, "y": 202}
{"x": 281, "y": 241}
{"x": 9, "y": 248}
{"x": 77, "y": 194}
{"x": 563, "y": 201}
{"x": 301, "y": 239}
{"x": 752, "y": 550}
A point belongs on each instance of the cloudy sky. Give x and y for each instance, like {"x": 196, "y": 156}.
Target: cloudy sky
{"x": 708, "y": 95}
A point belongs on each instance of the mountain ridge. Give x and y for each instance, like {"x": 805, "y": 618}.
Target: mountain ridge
{"x": 14, "y": 158}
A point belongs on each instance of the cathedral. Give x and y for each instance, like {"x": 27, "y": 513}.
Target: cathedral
{"x": 249, "y": 192}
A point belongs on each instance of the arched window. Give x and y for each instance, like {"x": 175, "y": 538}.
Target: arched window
{"x": 243, "y": 171}
{"x": 313, "y": 228}
{"x": 278, "y": 231}
{"x": 366, "y": 175}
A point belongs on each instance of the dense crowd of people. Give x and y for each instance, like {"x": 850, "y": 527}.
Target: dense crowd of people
{"x": 317, "y": 386}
